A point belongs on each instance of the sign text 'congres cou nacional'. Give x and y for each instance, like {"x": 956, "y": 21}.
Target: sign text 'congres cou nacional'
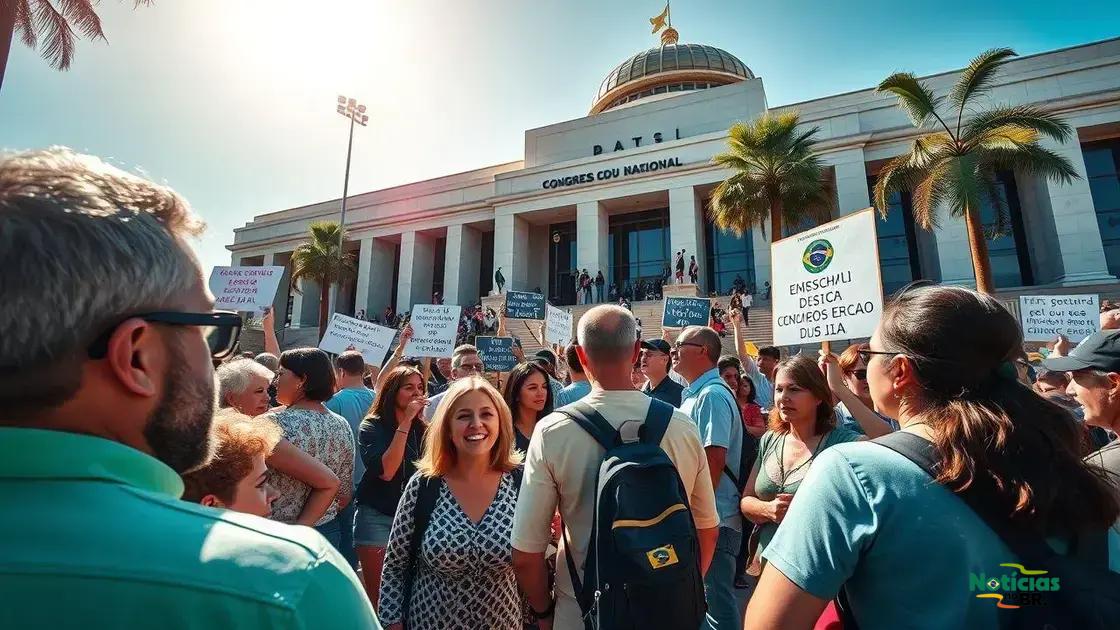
{"x": 611, "y": 173}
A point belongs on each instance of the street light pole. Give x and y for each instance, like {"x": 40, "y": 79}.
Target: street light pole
{"x": 356, "y": 112}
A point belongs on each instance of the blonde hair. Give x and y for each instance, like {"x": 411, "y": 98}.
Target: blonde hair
{"x": 439, "y": 452}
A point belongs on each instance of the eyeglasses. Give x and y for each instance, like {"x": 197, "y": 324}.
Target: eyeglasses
{"x": 471, "y": 367}
{"x": 680, "y": 344}
{"x": 222, "y": 329}
{"x": 867, "y": 354}
{"x": 860, "y": 374}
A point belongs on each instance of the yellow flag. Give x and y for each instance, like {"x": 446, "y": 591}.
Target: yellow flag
{"x": 659, "y": 21}
{"x": 752, "y": 350}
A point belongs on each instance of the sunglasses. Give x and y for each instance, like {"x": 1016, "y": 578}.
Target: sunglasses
{"x": 867, "y": 354}
{"x": 222, "y": 329}
{"x": 860, "y": 374}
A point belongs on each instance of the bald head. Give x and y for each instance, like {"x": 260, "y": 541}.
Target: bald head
{"x": 608, "y": 334}
{"x": 706, "y": 337}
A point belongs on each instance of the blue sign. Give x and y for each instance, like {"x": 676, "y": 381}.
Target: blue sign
{"x": 496, "y": 353}
{"x": 521, "y": 305}
{"x": 686, "y": 311}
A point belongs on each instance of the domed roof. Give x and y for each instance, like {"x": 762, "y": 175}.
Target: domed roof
{"x": 671, "y": 65}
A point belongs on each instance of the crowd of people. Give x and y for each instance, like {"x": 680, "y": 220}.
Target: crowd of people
{"x": 140, "y": 484}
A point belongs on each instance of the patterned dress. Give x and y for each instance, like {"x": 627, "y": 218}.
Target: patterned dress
{"x": 325, "y": 436}
{"x": 465, "y": 575}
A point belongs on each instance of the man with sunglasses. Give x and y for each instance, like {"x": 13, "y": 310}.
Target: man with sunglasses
{"x": 107, "y": 397}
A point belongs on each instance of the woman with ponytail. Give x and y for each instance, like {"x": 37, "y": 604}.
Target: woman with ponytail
{"x": 907, "y": 550}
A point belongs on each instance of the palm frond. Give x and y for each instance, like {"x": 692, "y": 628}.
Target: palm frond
{"x": 978, "y": 77}
{"x": 81, "y": 14}
{"x": 59, "y": 47}
{"x": 913, "y": 96}
{"x": 1031, "y": 160}
{"x": 965, "y": 184}
{"x": 321, "y": 258}
{"x": 23, "y": 23}
{"x": 1005, "y": 137}
{"x": 998, "y": 203}
{"x": 1022, "y": 116}
{"x": 929, "y": 195}
{"x": 737, "y": 204}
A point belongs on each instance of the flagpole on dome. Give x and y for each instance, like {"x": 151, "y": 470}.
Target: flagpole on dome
{"x": 664, "y": 20}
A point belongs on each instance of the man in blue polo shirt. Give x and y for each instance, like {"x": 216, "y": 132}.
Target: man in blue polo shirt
{"x": 709, "y": 402}
{"x": 107, "y": 396}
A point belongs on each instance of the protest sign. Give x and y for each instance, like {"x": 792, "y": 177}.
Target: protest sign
{"x": 496, "y": 353}
{"x": 1044, "y": 317}
{"x": 346, "y": 333}
{"x": 435, "y": 328}
{"x": 245, "y": 288}
{"x": 826, "y": 282}
{"x": 521, "y": 305}
{"x": 686, "y": 311}
{"x": 558, "y": 325}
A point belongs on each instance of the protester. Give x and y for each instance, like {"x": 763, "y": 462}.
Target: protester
{"x": 753, "y": 420}
{"x": 747, "y": 303}
{"x": 236, "y": 478}
{"x": 108, "y": 394}
{"x": 563, "y": 461}
{"x": 712, "y": 406}
{"x": 464, "y": 362}
{"x": 390, "y": 443}
{"x": 243, "y": 385}
{"x": 579, "y": 386}
{"x": 693, "y": 270}
{"x": 462, "y": 576}
{"x": 847, "y": 378}
{"x": 529, "y": 398}
{"x": 352, "y": 401}
{"x": 547, "y": 360}
{"x": 654, "y": 364}
{"x": 679, "y": 264}
{"x": 306, "y": 380}
{"x": 869, "y": 520}
{"x": 759, "y": 372}
{"x": 1094, "y": 382}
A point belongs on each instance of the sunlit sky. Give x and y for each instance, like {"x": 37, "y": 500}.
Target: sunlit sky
{"x": 231, "y": 102}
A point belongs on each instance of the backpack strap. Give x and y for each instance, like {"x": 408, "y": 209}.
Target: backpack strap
{"x": 726, "y": 469}
{"x": 592, "y": 422}
{"x": 656, "y": 422}
{"x": 426, "y": 497}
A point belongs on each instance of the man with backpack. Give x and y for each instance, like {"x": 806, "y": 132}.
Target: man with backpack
{"x": 711, "y": 404}
{"x": 639, "y": 518}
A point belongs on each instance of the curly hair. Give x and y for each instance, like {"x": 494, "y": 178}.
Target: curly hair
{"x": 238, "y": 439}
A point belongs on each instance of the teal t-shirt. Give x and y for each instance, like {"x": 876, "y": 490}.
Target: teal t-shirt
{"x": 868, "y": 518}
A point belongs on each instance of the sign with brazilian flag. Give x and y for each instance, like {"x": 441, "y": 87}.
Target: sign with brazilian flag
{"x": 826, "y": 282}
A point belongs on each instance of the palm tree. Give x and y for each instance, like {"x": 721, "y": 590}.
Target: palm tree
{"x": 776, "y": 174}
{"x": 957, "y": 167}
{"x": 322, "y": 261}
{"x": 35, "y": 18}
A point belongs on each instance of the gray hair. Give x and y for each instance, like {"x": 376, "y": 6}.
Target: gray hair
{"x": 706, "y": 337}
{"x": 235, "y": 376}
{"x": 459, "y": 353}
{"x": 607, "y": 333}
{"x": 82, "y": 245}
{"x": 269, "y": 360}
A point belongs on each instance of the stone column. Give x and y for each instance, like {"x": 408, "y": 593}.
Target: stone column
{"x": 686, "y": 231}
{"x": 511, "y": 248}
{"x": 375, "y": 267}
{"x": 417, "y": 259}
{"x": 851, "y": 180}
{"x": 591, "y": 238}
{"x": 762, "y": 269}
{"x": 462, "y": 261}
{"x": 1075, "y": 221}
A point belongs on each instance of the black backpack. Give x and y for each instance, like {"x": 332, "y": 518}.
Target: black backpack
{"x": 643, "y": 560}
{"x": 1089, "y": 597}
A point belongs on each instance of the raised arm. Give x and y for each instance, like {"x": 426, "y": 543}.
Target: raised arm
{"x": 394, "y": 359}
{"x": 268, "y": 324}
{"x": 872, "y": 425}
{"x": 298, "y": 465}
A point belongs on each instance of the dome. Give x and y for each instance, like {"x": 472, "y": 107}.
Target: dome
{"x": 669, "y": 68}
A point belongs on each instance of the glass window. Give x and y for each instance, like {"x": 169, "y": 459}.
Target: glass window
{"x": 562, "y": 263}
{"x": 898, "y": 245}
{"x": 729, "y": 257}
{"x": 646, "y": 235}
{"x": 1008, "y": 253}
{"x": 1102, "y": 165}
{"x": 714, "y": 60}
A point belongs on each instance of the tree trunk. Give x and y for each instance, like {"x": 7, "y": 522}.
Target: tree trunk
{"x": 324, "y": 307}
{"x": 7, "y": 32}
{"x": 978, "y": 244}
{"x": 776, "y": 210}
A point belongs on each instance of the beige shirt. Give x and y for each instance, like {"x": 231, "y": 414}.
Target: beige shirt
{"x": 560, "y": 470}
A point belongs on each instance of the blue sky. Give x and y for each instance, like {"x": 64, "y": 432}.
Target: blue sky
{"x": 231, "y": 102}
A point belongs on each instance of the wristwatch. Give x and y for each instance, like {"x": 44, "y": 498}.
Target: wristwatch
{"x": 545, "y": 614}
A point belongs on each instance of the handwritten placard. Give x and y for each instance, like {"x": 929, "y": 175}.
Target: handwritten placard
{"x": 1044, "y": 317}
{"x": 686, "y": 311}
{"x": 521, "y": 305}
{"x": 435, "y": 328}
{"x": 346, "y": 333}
{"x": 558, "y": 325}
{"x": 496, "y": 353}
{"x": 245, "y": 288}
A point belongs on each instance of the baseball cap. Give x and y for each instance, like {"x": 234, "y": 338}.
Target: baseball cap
{"x": 659, "y": 345}
{"x": 1099, "y": 351}
{"x": 546, "y": 356}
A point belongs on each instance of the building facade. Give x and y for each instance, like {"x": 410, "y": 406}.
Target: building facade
{"x": 624, "y": 188}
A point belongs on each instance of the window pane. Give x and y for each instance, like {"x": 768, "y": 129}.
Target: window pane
{"x": 1099, "y": 160}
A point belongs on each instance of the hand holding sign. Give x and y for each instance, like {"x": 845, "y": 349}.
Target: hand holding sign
{"x": 435, "y": 328}
{"x": 346, "y": 333}
{"x": 522, "y": 305}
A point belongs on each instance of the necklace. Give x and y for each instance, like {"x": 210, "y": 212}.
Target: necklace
{"x": 782, "y": 460}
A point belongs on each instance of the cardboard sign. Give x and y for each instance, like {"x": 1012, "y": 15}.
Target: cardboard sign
{"x": 521, "y": 305}
{"x": 245, "y": 288}
{"x": 434, "y": 328}
{"x": 496, "y": 353}
{"x": 558, "y": 325}
{"x": 1044, "y": 317}
{"x": 826, "y": 282}
{"x": 346, "y": 333}
{"x": 686, "y": 311}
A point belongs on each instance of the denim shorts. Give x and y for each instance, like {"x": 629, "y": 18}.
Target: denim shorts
{"x": 371, "y": 528}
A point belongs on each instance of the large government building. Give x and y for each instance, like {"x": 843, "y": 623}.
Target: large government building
{"x": 624, "y": 187}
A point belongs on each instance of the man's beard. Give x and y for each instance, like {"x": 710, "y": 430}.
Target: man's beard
{"x": 178, "y": 431}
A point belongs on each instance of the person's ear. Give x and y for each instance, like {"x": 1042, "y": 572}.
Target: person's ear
{"x": 636, "y": 351}
{"x": 134, "y": 352}
{"x": 1113, "y": 384}
{"x": 904, "y": 377}
{"x": 211, "y": 501}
